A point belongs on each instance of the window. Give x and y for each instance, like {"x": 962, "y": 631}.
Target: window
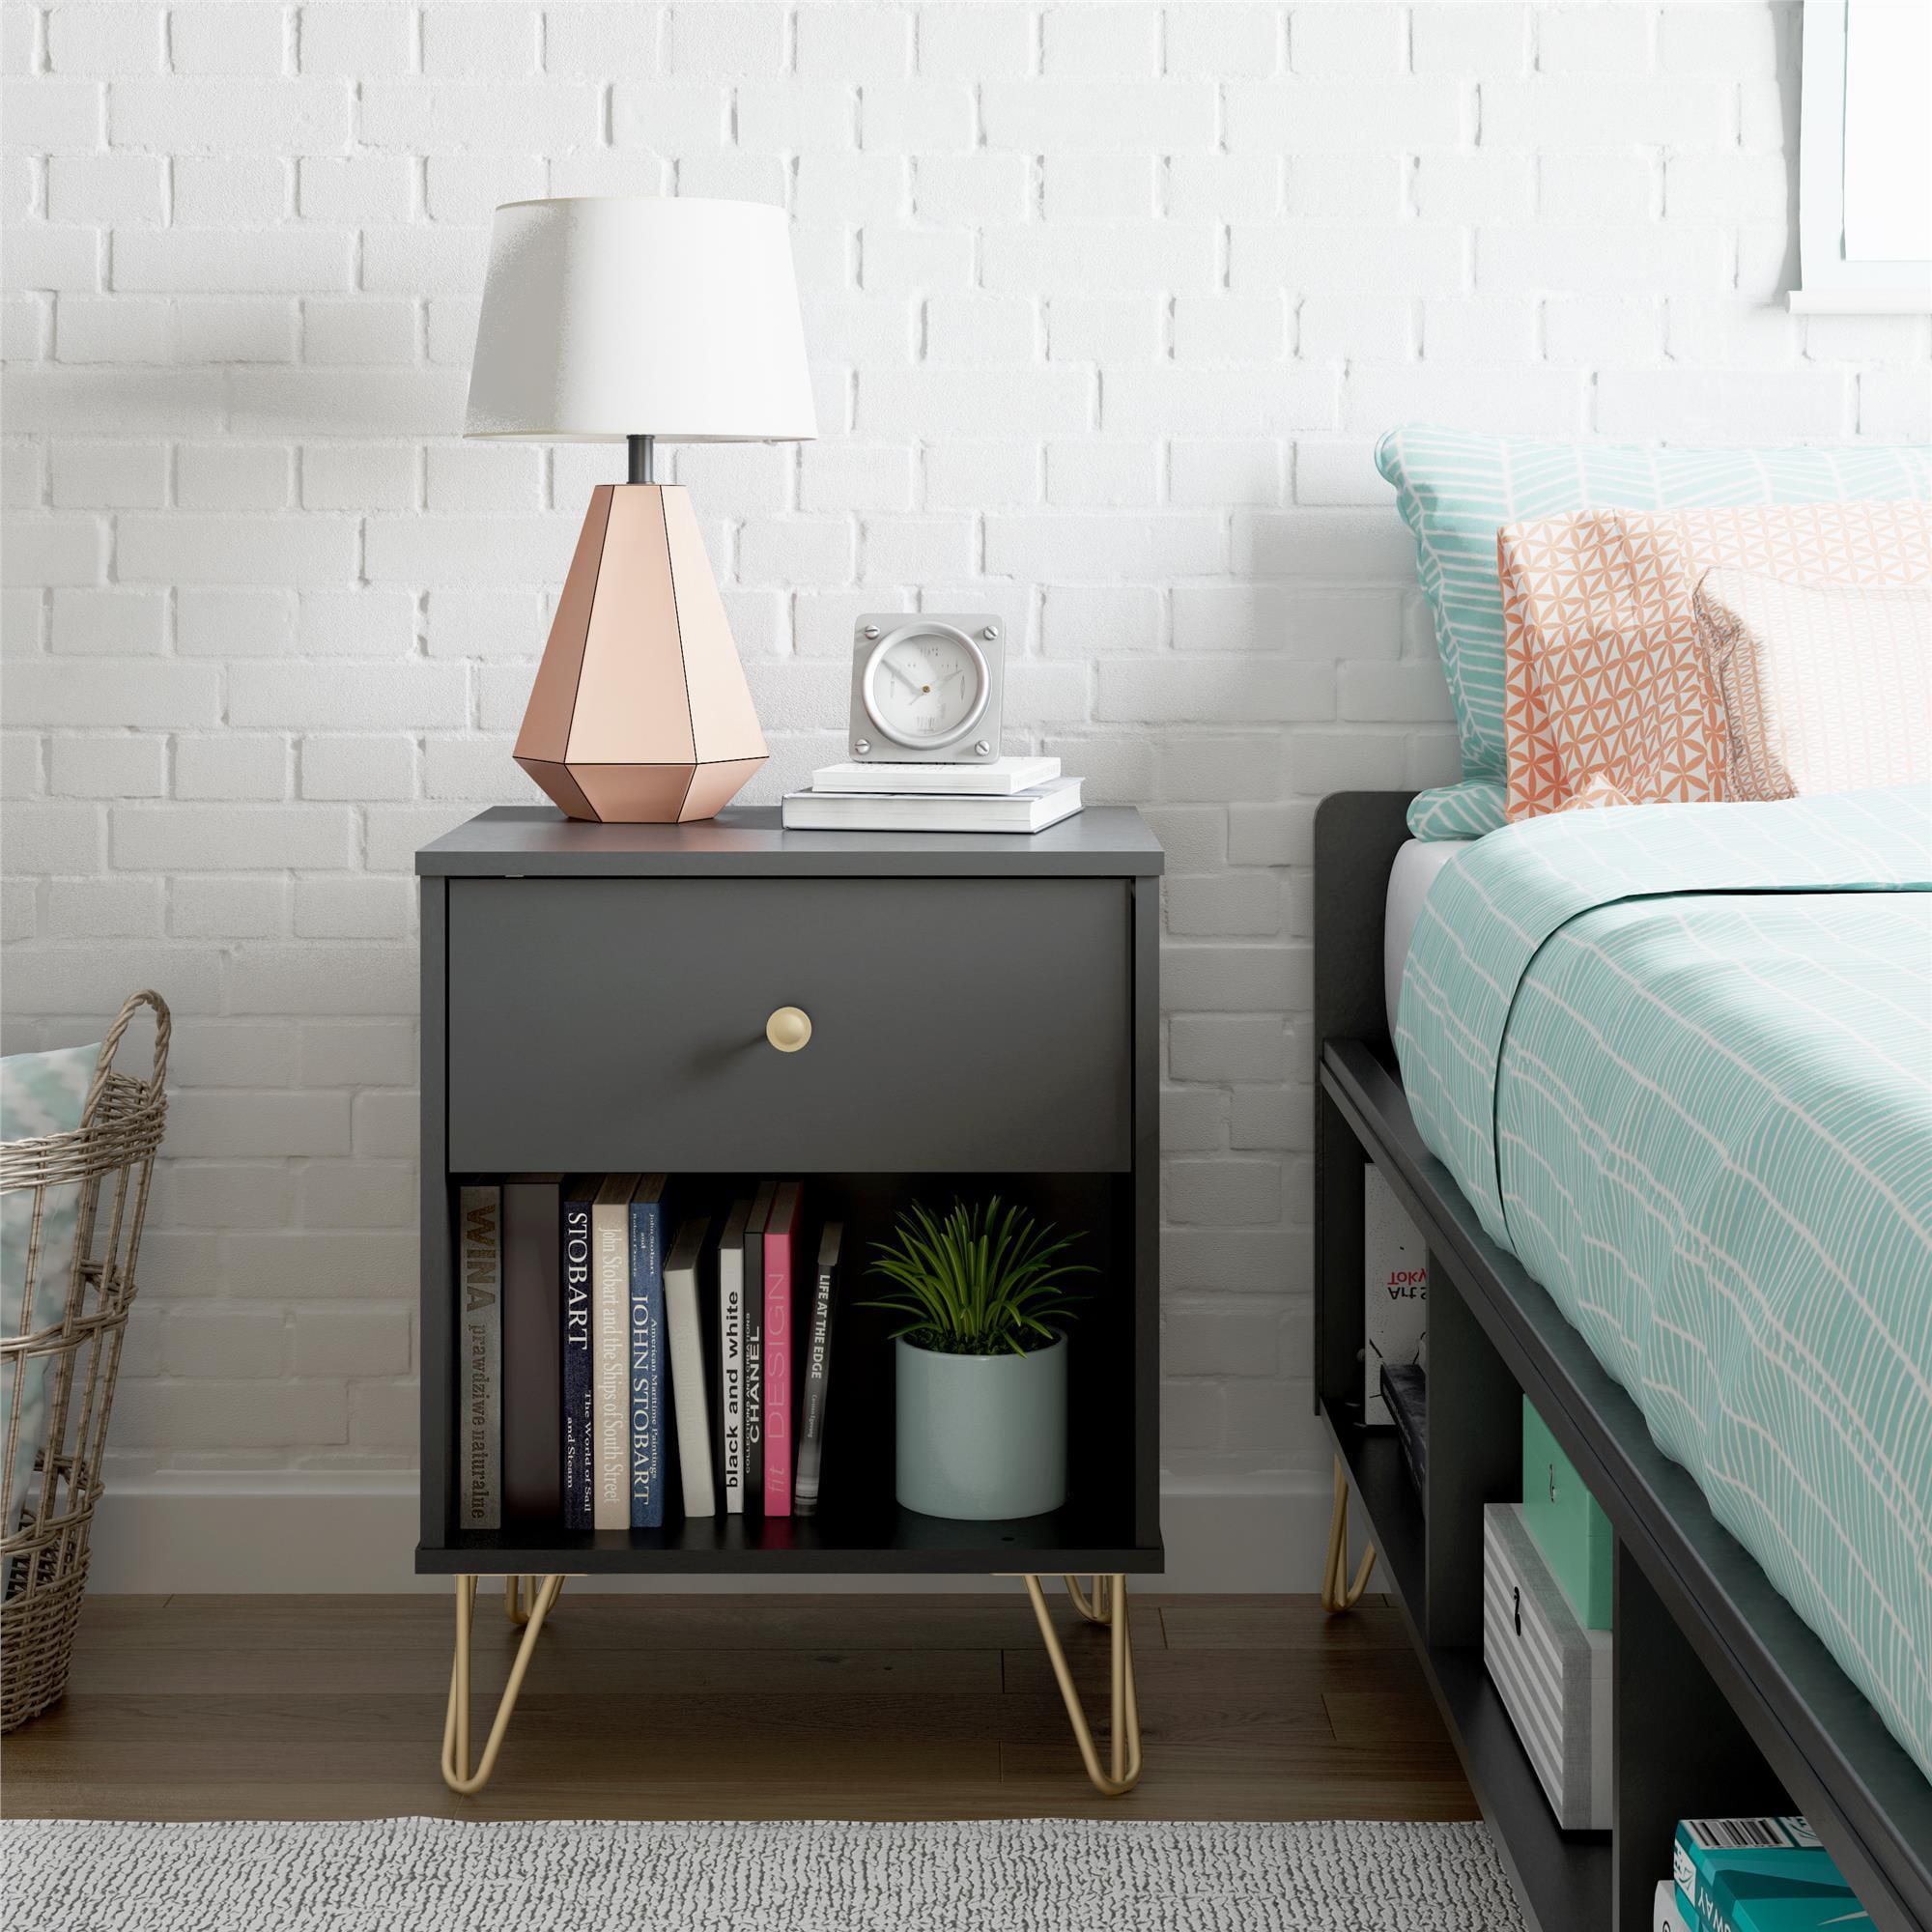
{"x": 1864, "y": 158}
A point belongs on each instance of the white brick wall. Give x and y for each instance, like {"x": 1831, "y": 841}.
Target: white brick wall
{"x": 1107, "y": 304}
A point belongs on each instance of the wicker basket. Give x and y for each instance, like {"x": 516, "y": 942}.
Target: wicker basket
{"x": 110, "y": 1156}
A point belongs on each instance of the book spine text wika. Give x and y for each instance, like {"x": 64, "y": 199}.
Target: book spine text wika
{"x": 482, "y": 1289}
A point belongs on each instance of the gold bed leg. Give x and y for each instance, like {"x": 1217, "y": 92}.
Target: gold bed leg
{"x": 1109, "y": 1607}
{"x": 1337, "y": 1592}
{"x": 456, "y": 1771}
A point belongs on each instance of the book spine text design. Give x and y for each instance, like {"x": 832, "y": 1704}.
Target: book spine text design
{"x": 778, "y": 1365}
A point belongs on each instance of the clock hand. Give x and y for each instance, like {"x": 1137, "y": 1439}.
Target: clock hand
{"x": 911, "y": 684}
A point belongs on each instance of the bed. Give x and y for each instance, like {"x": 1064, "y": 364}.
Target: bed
{"x": 1679, "y": 1059}
{"x": 1649, "y": 1064}
{"x": 1657, "y": 1084}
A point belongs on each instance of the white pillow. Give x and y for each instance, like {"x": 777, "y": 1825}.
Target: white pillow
{"x": 41, "y": 1094}
{"x": 1824, "y": 687}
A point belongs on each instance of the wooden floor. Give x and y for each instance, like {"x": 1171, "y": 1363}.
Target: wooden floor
{"x": 738, "y": 1706}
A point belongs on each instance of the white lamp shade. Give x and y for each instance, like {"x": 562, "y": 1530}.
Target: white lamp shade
{"x": 607, "y": 318}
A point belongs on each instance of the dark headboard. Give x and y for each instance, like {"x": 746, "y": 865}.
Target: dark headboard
{"x": 1357, "y": 834}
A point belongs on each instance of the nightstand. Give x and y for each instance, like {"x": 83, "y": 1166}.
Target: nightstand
{"x": 984, "y": 1018}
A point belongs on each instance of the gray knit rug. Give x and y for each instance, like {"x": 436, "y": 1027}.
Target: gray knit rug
{"x": 1008, "y": 1875}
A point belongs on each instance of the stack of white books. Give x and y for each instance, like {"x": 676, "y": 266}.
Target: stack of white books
{"x": 1001, "y": 795}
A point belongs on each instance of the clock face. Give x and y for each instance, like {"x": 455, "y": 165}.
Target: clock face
{"x": 925, "y": 687}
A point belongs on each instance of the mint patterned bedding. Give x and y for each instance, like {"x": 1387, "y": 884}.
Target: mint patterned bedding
{"x": 1680, "y": 1060}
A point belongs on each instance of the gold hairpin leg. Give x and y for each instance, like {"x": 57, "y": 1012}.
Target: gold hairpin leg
{"x": 1109, "y": 1605}
{"x": 520, "y": 1598}
{"x": 1337, "y": 1592}
{"x": 1096, "y": 1610}
{"x": 543, "y": 1595}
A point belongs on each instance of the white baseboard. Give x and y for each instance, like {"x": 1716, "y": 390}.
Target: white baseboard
{"x": 274, "y": 1532}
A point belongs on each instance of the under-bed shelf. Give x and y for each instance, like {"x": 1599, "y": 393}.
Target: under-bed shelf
{"x": 1563, "y": 1877}
{"x": 1812, "y": 1727}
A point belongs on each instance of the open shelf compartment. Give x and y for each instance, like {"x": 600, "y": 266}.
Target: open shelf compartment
{"x": 1109, "y": 1522}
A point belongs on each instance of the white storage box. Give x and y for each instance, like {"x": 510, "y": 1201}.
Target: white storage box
{"x": 1552, "y": 1674}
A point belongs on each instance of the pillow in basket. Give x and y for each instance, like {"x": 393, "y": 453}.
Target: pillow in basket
{"x": 41, "y": 1094}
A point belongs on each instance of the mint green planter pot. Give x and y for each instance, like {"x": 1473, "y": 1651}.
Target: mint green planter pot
{"x": 982, "y": 1436}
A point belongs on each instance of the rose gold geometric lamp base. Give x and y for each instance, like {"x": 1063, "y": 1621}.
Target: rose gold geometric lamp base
{"x": 640, "y": 712}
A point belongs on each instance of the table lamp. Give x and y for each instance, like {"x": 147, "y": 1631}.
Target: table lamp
{"x": 631, "y": 320}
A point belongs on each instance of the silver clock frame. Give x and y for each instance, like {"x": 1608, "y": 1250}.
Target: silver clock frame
{"x": 873, "y": 742}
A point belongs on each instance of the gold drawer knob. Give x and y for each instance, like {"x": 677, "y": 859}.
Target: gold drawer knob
{"x": 788, "y": 1029}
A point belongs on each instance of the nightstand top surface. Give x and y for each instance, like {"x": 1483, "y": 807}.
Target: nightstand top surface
{"x": 538, "y": 841}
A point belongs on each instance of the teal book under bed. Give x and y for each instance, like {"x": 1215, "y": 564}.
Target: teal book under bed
{"x": 1679, "y": 1059}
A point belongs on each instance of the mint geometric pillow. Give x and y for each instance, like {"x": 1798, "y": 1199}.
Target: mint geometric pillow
{"x": 39, "y": 1094}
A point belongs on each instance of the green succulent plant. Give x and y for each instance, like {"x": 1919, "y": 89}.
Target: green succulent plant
{"x": 983, "y": 1281}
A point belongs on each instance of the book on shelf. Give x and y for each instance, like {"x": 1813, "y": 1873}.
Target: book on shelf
{"x": 1020, "y": 812}
{"x": 730, "y": 1424}
{"x": 610, "y": 1350}
{"x": 817, "y": 1372}
{"x": 619, "y": 1361}
{"x": 1758, "y": 1875}
{"x": 1405, "y": 1393}
{"x": 778, "y": 1349}
{"x": 481, "y": 1229}
{"x": 995, "y": 779}
{"x": 579, "y": 1410}
{"x": 1395, "y": 1292}
{"x": 691, "y": 1403}
{"x": 755, "y": 1343}
{"x": 646, "y": 1391}
{"x": 532, "y": 1345}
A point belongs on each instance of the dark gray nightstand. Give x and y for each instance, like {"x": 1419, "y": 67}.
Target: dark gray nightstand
{"x": 984, "y": 1017}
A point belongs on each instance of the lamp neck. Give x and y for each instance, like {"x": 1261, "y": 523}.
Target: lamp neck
{"x": 643, "y": 468}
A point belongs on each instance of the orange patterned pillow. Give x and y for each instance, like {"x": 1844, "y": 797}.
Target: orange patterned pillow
{"x": 1606, "y": 697}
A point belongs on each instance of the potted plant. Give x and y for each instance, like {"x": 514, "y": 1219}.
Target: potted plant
{"x": 982, "y": 1360}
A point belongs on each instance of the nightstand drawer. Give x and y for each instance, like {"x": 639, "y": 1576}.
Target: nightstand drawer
{"x": 617, "y": 1024}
